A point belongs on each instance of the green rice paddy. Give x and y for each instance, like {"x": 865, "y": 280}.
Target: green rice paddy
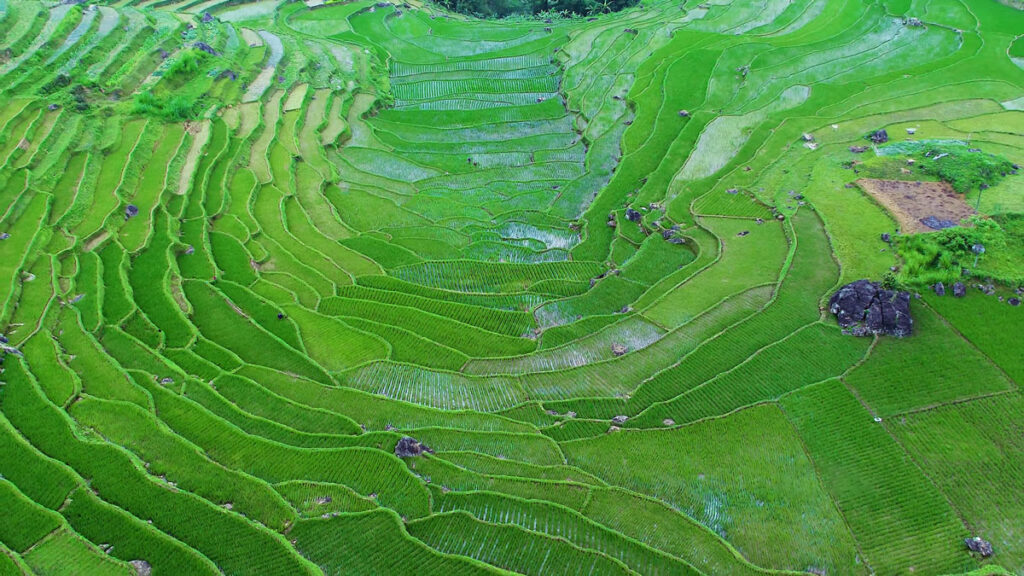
{"x": 247, "y": 247}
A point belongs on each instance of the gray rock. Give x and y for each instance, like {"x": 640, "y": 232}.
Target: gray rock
{"x": 620, "y": 419}
{"x": 1013, "y": 301}
{"x": 409, "y": 448}
{"x": 131, "y": 211}
{"x": 976, "y": 544}
{"x": 936, "y": 223}
{"x": 959, "y": 290}
{"x": 142, "y": 568}
{"x": 864, "y": 308}
{"x": 858, "y": 149}
{"x": 619, "y": 349}
{"x": 4, "y": 236}
{"x": 633, "y": 215}
{"x": 204, "y": 47}
{"x": 939, "y": 288}
{"x": 879, "y": 136}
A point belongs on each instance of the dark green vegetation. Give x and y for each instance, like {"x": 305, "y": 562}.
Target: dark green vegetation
{"x": 249, "y": 246}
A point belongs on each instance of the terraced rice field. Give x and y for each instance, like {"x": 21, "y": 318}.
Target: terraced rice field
{"x": 247, "y": 247}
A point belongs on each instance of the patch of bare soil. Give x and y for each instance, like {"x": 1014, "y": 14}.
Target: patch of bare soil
{"x": 914, "y": 203}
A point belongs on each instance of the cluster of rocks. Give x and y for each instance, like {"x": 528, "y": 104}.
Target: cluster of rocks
{"x": 671, "y": 236}
{"x": 864, "y": 308}
{"x": 960, "y": 290}
{"x": 131, "y": 211}
{"x": 409, "y": 447}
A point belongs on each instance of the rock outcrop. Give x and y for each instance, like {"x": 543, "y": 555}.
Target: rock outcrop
{"x": 864, "y": 308}
{"x": 409, "y": 447}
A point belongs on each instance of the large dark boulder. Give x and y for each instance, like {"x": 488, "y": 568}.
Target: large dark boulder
{"x": 633, "y": 215}
{"x": 409, "y": 447}
{"x": 959, "y": 290}
{"x": 864, "y": 308}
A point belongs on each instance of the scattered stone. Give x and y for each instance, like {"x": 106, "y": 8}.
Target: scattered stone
{"x": 677, "y": 240}
{"x": 613, "y": 429}
{"x": 1013, "y": 301}
{"x": 939, "y": 288}
{"x": 53, "y": 107}
{"x": 732, "y": 191}
{"x": 4, "y": 236}
{"x": 142, "y": 568}
{"x": 959, "y": 290}
{"x": 936, "y": 223}
{"x": 879, "y": 136}
{"x": 620, "y": 419}
{"x": 684, "y": 113}
{"x": 743, "y": 233}
{"x": 668, "y": 422}
{"x": 914, "y": 22}
{"x": 323, "y": 500}
{"x": 190, "y": 250}
{"x": 612, "y": 223}
{"x": 911, "y": 131}
{"x": 619, "y": 349}
{"x": 633, "y": 215}
{"x": 207, "y": 17}
{"x": 808, "y": 137}
{"x": 976, "y": 544}
{"x": 570, "y": 414}
{"x": 131, "y": 211}
{"x": 864, "y": 308}
{"x": 858, "y": 149}
{"x": 886, "y": 237}
{"x": 280, "y": 316}
{"x": 166, "y": 381}
{"x": 408, "y": 448}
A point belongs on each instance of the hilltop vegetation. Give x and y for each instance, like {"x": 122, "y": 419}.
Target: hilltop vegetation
{"x": 377, "y": 288}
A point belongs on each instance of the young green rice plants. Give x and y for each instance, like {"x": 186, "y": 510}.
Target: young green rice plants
{"x": 959, "y": 443}
{"x": 866, "y": 472}
{"x": 714, "y": 486}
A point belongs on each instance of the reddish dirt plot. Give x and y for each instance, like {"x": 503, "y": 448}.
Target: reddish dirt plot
{"x": 910, "y": 202}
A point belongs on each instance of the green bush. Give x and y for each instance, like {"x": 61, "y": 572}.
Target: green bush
{"x": 173, "y": 108}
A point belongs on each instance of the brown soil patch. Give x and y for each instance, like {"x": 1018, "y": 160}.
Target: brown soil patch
{"x": 909, "y": 202}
